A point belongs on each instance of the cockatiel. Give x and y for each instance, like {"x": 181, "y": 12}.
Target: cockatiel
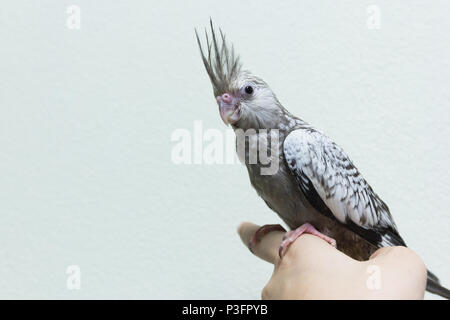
{"x": 316, "y": 188}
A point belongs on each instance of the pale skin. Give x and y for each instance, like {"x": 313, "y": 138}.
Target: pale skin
{"x": 313, "y": 269}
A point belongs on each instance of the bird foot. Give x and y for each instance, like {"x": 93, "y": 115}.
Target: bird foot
{"x": 292, "y": 235}
{"x": 261, "y": 232}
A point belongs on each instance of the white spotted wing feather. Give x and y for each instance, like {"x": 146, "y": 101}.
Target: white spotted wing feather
{"x": 312, "y": 156}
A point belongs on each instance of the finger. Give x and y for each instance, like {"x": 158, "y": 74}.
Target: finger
{"x": 402, "y": 272}
{"x": 399, "y": 258}
{"x": 267, "y": 247}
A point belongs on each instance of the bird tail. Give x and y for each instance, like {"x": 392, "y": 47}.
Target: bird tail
{"x": 435, "y": 287}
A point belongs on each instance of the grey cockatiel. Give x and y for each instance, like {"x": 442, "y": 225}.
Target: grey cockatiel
{"x": 316, "y": 188}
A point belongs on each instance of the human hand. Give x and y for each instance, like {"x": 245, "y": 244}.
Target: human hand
{"x": 312, "y": 269}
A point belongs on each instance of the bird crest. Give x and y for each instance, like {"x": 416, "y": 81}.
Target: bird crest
{"x": 221, "y": 63}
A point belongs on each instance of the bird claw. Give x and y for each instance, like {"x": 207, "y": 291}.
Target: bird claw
{"x": 292, "y": 235}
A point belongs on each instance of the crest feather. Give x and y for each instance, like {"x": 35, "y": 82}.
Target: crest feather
{"x": 221, "y": 63}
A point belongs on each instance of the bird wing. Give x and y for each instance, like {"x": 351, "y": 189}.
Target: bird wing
{"x": 335, "y": 188}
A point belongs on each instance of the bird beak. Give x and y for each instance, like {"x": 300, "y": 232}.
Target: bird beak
{"x": 229, "y": 108}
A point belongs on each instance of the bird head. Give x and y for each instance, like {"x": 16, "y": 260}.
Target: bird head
{"x": 244, "y": 100}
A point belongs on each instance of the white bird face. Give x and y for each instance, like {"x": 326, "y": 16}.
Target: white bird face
{"x": 250, "y": 99}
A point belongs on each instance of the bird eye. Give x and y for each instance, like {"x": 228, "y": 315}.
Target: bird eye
{"x": 248, "y": 89}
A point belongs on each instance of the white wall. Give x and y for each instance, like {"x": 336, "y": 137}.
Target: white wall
{"x": 86, "y": 118}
